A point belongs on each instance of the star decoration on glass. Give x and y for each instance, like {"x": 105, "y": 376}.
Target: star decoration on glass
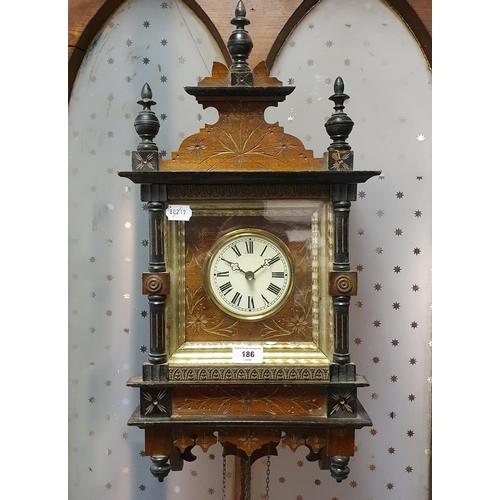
{"x": 110, "y": 97}
{"x": 164, "y": 5}
{"x": 392, "y": 415}
{"x": 362, "y": 194}
{"x": 310, "y": 62}
{"x": 292, "y": 43}
{"x": 164, "y": 42}
{"x": 347, "y": 62}
{"x": 144, "y": 243}
{"x": 413, "y": 361}
{"x": 182, "y": 60}
{"x": 377, "y": 323}
{"x": 353, "y": 484}
{"x": 92, "y": 400}
{"x": 361, "y": 231}
{"x": 372, "y": 467}
{"x": 359, "y": 268}
{"x": 391, "y": 450}
{"x": 373, "y": 432}
{"x": 128, "y": 42}
{"x": 357, "y": 341}
{"x": 376, "y": 360}
{"x": 377, "y": 287}
{"x": 282, "y": 480}
{"x": 414, "y": 324}
{"x": 394, "y": 378}
{"x": 317, "y": 482}
{"x": 144, "y": 314}
{"x": 109, "y": 277}
{"x": 329, "y": 44}
{"x": 163, "y": 79}
{"x": 399, "y": 195}
{"x": 420, "y": 137}
{"x": 380, "y": 213}
{"x": 415, "y": 288}
{"x": 395, "y": 342}
{"x": 396, "y": 305}
{"x": 411, "y": 397}
{"x": 109, "y": 486}
{"x": 409, "y": 469}
{"x": 379, "y": 250}
{"x": 92, "y": 260}
{"x": 109, "y": 313}
{"x": 398, "y": 232}
{"x": 143, "y": 348}
{"x": 358, "y": 304}
{"x": 110, "y": 60}
{"x": 211, "y": 491}
{"x": 193, "y": 473}
{"x": 416, "y": 251}
{"x": 389, "y": 486}
{"x": 146, "y": 24}
{"x": 142, "y": 487}
{"x": 410, "y": 433}
{"x": 145, "y": 60}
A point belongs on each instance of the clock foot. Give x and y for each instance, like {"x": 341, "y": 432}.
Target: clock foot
{"x": 160, "y": 467}
{"x": 338, "y": 468}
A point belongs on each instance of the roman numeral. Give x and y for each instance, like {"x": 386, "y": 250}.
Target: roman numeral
{"x": 223, "y": 274}
{"x": 262, "y": 253}
{"x": 279, "y": 274}
{"x": 264, "y": 299}
{"x": 251, "y": 305}
{"x": 236, "y": 299}
{"x": 274, "y": 259}
{"x": 274, "y": 289}
{"x": 236, "y": 250}
{"x": 249, "y": 246}
{"x": 226, "y": 287}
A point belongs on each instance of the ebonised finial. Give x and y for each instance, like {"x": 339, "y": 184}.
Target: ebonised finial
{"x": 240, "y": 46}
{"x": 146, "y": 124}
{"x": 339, "y": 125}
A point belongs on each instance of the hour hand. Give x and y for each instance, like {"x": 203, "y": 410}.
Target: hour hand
{"x": 268, "y": 262}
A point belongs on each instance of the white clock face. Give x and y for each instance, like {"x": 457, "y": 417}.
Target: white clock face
{"x": 249, "y": 274}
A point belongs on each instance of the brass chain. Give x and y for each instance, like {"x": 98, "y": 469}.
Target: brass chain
{"x": 224, "y": 473}
{"x": 268, "y": 472}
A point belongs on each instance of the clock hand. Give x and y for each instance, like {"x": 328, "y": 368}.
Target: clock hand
{"x": 267, "y": 263}
{"x": 234, "y": 265}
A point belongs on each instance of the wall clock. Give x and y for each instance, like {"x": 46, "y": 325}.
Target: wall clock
{"x": 249, "y": 281}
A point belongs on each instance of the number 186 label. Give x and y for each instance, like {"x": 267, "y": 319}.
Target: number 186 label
{"x": 248, "y": 354}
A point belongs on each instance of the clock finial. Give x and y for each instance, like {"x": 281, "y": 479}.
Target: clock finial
{"x": 339, "y": 125}
{"x": 147, "y": 124}
{"x": 240, "y": 45}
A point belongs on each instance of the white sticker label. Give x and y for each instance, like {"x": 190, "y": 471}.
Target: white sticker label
{"x": 179, "y": 212}
{"x": 248, "y": 354}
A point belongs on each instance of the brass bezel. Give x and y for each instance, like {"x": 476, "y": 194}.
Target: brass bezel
{"x": 244, "y": 233}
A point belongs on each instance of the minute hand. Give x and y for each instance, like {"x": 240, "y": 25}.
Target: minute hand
{"x": 268, "y": 262}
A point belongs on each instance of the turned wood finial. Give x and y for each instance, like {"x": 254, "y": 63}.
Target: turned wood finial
{"x": 339, "y": 125}
{"x": 240, "y": 46}
{"x": 147, "y": 124}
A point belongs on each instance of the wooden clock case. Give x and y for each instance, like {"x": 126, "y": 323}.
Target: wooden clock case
{"x": 242, "y": 172}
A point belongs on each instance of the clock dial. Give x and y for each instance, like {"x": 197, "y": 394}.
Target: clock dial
{"x": 249, "y": 274}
